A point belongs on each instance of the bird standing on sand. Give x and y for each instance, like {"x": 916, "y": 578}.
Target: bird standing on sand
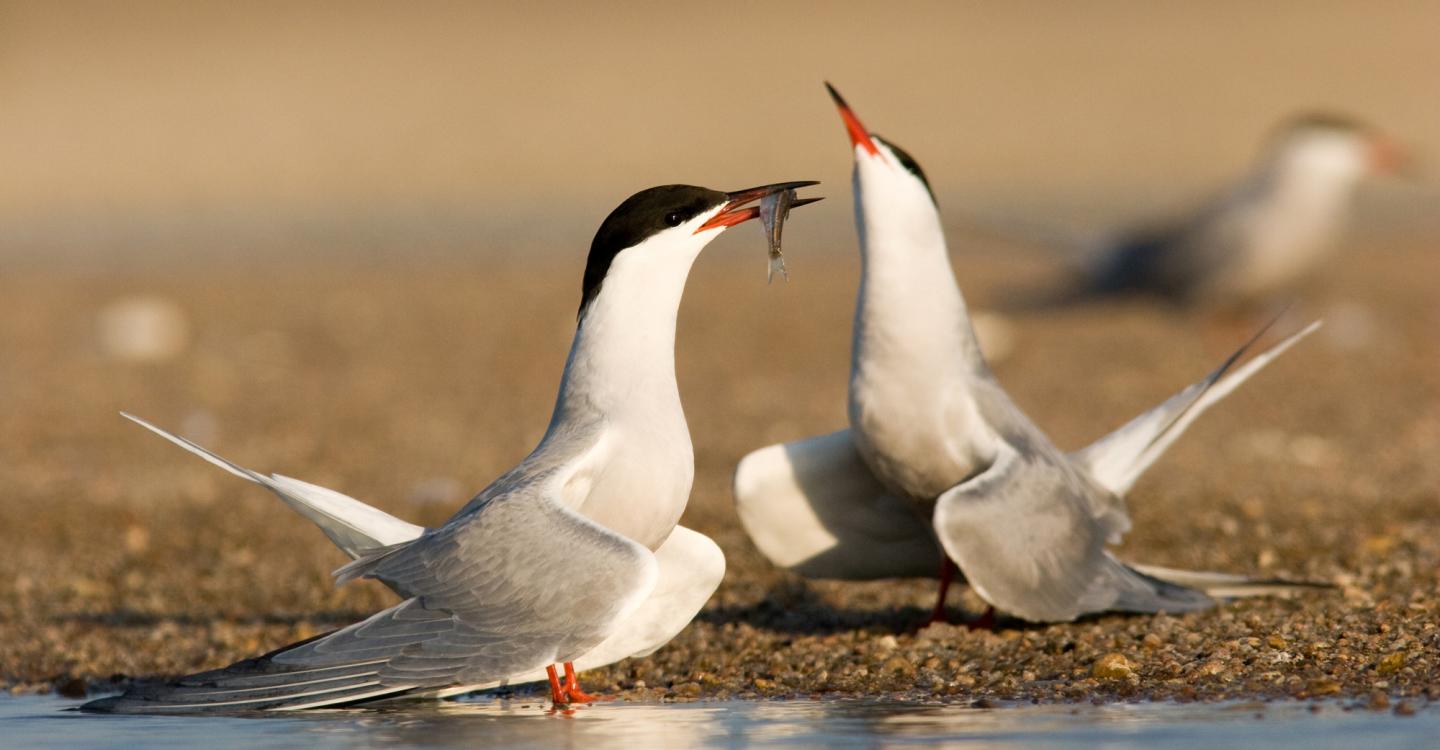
{"x": 1263, "y": 234}
{"x": 939, "y": 468}
{"x": 556, "y": 557}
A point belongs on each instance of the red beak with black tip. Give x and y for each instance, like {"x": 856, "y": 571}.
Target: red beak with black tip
{"x": 737, "y": 211}
{"x": 859, "y": 136}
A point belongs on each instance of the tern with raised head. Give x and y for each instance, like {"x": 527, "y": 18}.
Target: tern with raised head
{"x": 939, "y": 469}
{"x": 572, "y": 556}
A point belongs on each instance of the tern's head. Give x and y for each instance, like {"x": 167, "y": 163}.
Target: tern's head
{"x": 881, "y": 166}
{"x": 1333, "y": 147}
{"x": 647, "y": 244}
{"x": 892, "y": 196}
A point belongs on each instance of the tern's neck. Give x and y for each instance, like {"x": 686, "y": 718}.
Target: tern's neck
{"x": 910, "y": 307}
{"x": 622, "y": 362}
{"x": 1303, "y": 192}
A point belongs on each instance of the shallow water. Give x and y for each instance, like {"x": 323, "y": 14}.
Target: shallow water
{"x": 39, "y": 722}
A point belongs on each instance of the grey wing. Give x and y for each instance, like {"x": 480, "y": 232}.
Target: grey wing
{"x": 813, "y": 506}
{"x": 1024, "y": 535}
{"x": 521, "y": 584}
{"x": 1184, "y": 261}
{"x": 1134, "y": 263}
{"x": 691, "y": 567}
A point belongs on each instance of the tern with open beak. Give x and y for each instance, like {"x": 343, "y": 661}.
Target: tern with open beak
{"x": 561, "y": 559}
{"x": 939, "y": 469}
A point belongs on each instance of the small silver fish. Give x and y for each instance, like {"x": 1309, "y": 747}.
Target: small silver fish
{"x": 774, "y": 210}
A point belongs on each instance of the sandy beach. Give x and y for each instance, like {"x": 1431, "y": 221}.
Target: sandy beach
{"x": 411, "y": 387}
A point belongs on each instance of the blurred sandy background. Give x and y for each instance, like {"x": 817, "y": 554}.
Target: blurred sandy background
{"x": 222, "y": 178}
{"x": 229, "y": 129}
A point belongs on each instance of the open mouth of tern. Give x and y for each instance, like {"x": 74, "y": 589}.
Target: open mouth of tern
{"x": 738, "y": 209}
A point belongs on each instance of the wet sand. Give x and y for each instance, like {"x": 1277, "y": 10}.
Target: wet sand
{"x": 411, "y": 388}
{"x": 833, "y": 723}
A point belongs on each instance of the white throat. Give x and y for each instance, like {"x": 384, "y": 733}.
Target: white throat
{"x": 915, "y": 361}
{"x": 1303, "y": 198}
{"x": 910, "y": 307}
{"x": 623, "y": 355}
{"x": 635, "y": 470}
{"x": 1316, "y": 179}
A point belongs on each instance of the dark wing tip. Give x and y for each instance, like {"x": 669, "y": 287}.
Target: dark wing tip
{"x": 103, "y": 705}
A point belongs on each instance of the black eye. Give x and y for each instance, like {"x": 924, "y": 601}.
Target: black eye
{"x": 674, "y": 218}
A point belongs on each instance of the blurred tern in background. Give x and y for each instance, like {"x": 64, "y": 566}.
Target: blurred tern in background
{"x": 1261, "y": 236}
{"x": 573, "y": 556}
{"x": 940, "y": 469}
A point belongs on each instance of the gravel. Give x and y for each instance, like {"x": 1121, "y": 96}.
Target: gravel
{"x": 412, "y": 387}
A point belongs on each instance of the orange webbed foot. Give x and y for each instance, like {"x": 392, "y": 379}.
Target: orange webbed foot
{"x": 573, "y": 691}
{"x": 557, "y": 693}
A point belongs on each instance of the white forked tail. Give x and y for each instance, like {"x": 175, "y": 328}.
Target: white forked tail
{"x": 1118, "y": 460}
{"x": 352, "y": 525}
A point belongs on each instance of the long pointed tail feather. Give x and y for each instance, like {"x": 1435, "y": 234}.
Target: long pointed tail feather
{"x": 1119, "y": 459}
{"x": 353, "y": 526}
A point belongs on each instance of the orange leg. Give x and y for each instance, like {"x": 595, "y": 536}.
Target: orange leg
{"x": 947, "y": 574}
{"x": 557, "y": 693}
{"x": 572, "y": 687}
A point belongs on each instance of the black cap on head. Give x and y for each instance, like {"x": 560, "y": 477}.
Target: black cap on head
{"x": 1331, "y": 121}
{"x": 639, "y": 217}
{"x": 908, "y": 162}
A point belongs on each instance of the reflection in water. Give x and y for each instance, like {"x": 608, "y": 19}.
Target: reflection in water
{"x": 491, "y": 722}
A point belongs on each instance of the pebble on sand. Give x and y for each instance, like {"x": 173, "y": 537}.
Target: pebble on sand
{"x": 1113, "y": 666}
{"x": 142, "y": 328}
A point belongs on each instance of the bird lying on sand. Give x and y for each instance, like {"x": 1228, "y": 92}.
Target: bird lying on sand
{"x": 1259, "y": 237}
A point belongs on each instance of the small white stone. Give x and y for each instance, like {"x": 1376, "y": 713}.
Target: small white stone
{"x": 1351, "y": 327}
{"x": 1312, "y": 450}
{"x": 446, "y": 490}
{"x": 142, "y": 328}
{"x": 201, "y": 426}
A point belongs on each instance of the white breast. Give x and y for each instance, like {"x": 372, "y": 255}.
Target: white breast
{"x": 636, "y": 482}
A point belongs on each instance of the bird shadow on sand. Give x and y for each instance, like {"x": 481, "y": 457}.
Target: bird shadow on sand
{"x": 793, "y": 607}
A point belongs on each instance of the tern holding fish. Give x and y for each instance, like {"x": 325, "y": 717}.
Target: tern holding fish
{"x": 572, "y": 556}
{"x": 939, "y": 469}
{"x": 774, "y": 210}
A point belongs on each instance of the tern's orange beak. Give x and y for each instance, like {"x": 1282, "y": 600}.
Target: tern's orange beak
{"x": 737, "y": 212}
{"x": 859, "y": 136}
{"x": 1388, "y": 157}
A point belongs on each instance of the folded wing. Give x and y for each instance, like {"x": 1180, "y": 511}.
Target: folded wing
{"x": 691, "y": 566}
{"x": 812, "y": 506}
{"x": 1024, "y": 535}
{"x": 519, "y": 584}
